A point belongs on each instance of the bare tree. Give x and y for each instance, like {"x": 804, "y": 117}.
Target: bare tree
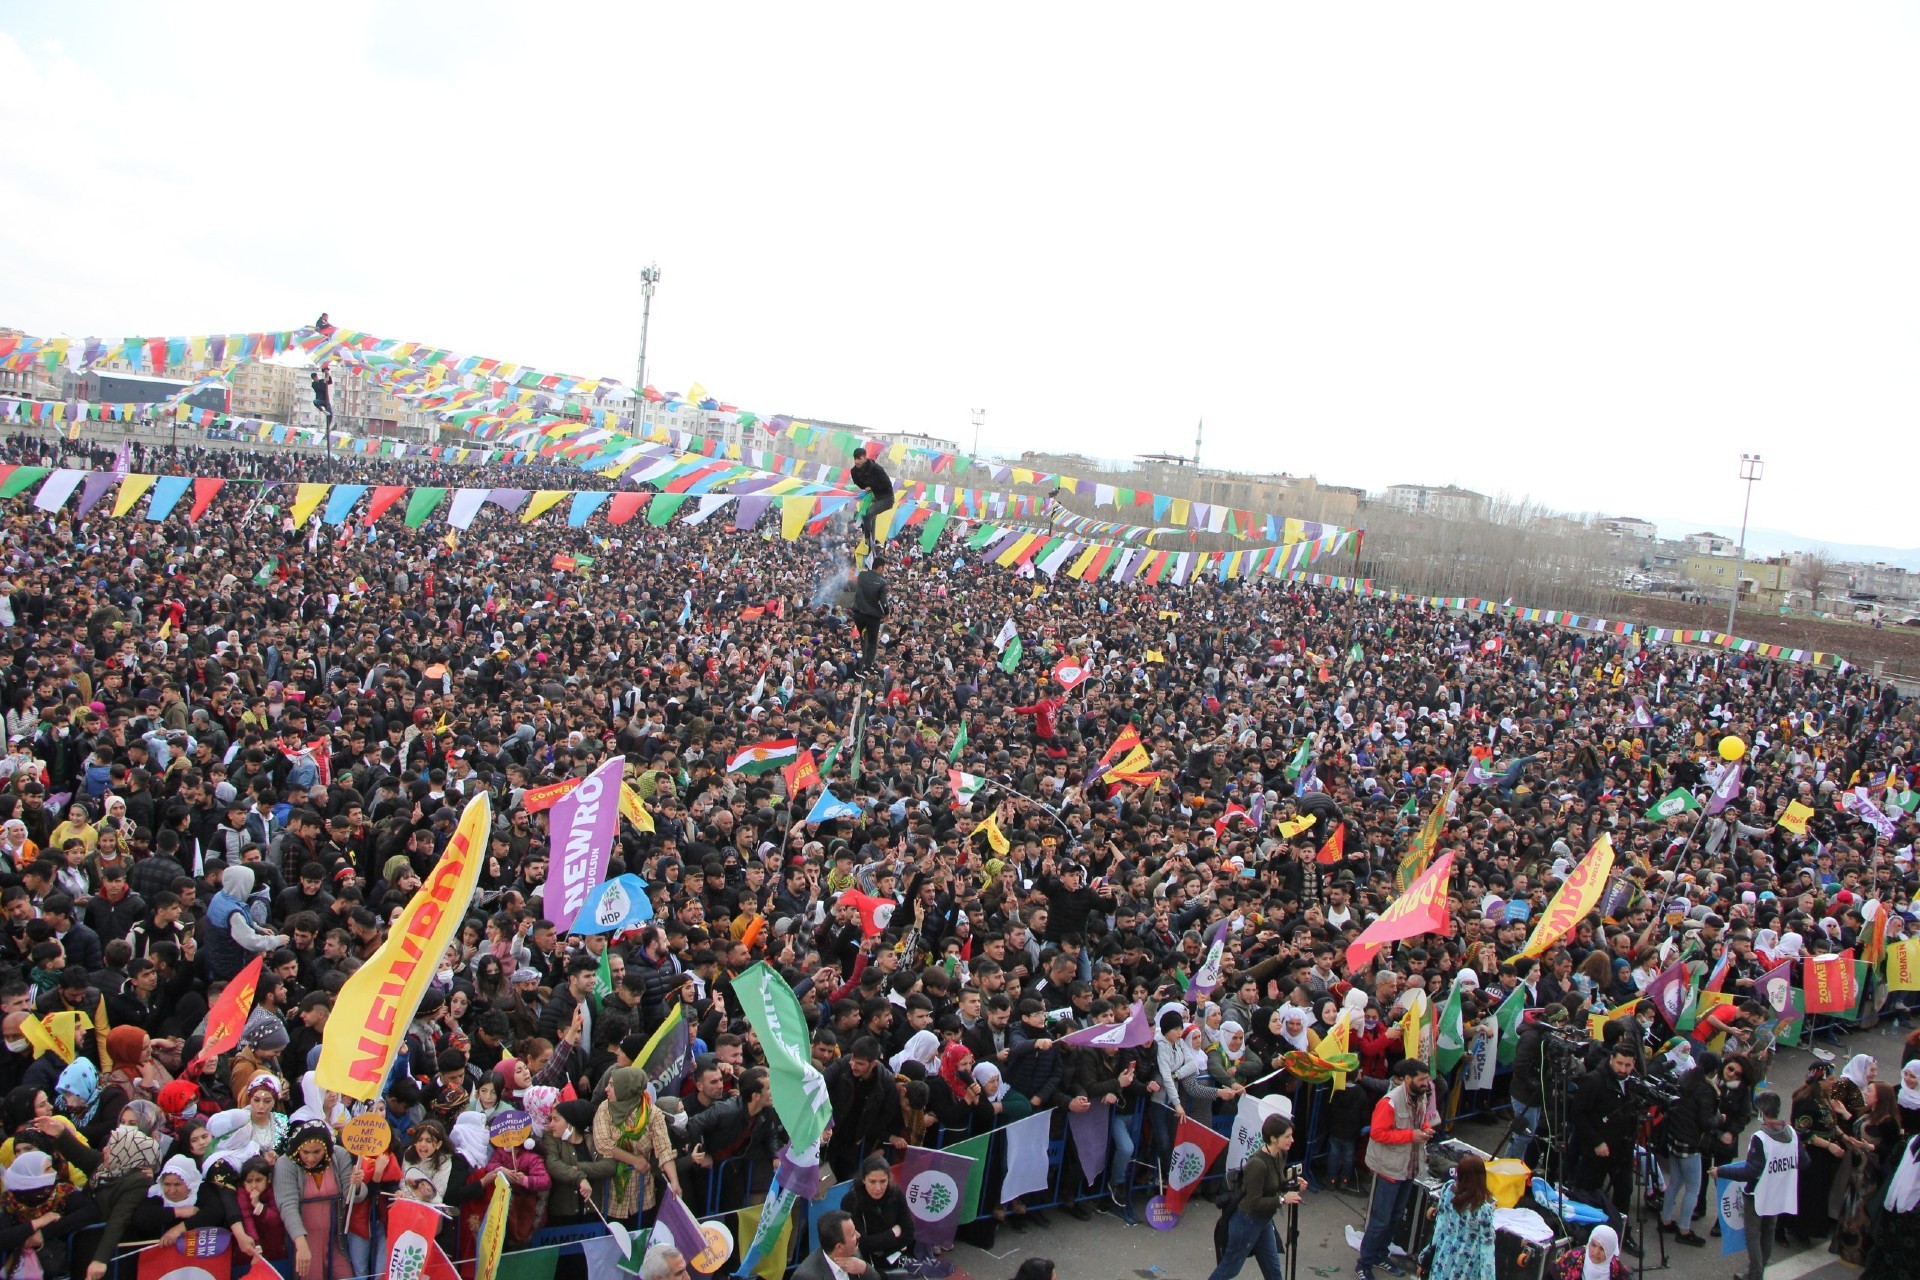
{"x": 1815, "y": 572}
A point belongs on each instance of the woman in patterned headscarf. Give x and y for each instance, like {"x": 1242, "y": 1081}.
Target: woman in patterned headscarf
{"x": 315, "y": 1184}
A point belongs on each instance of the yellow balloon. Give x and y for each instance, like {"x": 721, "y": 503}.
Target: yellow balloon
{"x": 1731, "y": 748}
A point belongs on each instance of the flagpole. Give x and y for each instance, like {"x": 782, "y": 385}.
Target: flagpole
{"x": 1048, "y": 809}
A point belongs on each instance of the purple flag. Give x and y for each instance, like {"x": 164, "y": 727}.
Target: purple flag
{"x": 800, "y": 1173}
{"x": 677, "y": 1226}
{"x": 1775, "y": 989}
{"x": 1668, "y": 993}
{"x": 1131, "y": 1034}
{"x": 123, "y": 461}
{"x": 1090, "y": 1137}
{"x": 1257, "y": 810}
{"x": 92, "y": 489}
{"x": 934, "y": 1183}
{"x": 583, "y": 825}
{"x": 1727, "y": 790}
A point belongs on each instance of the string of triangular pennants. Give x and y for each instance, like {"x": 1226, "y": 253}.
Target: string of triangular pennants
{"x": 799, "y": 513}
{"x": 488, "y": 398}
{"x": 1580, "y": 621}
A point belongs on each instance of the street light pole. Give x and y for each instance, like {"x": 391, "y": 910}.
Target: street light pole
{"x": 649, "y": 280}
{"x": 979, "y": 418}
{"x": 1750, "y": 471}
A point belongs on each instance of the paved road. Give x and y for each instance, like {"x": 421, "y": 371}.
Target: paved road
{"x": 1106, "y": 1249}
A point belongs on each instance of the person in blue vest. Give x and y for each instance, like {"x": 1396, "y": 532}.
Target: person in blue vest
{"x": 232, "y": 939}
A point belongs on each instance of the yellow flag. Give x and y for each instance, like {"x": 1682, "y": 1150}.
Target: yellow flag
{"x": 130, "y": 490}
{"x": 633, "y": 811}
{"x": 1154, "y": 655}
{"x": 1574, "y": 898}
{"x": 493, "y": 1230}
{"x": 1411, "y": 1024}
{"x": 995, "y": 837}
{"x": 773, "y": 1263}
{"x": 1294, "y": 826}
{"x": 794, "y": 514}
{"x": 166, "y": 626}
{"x": 541, "y": 503}
{"x": 379, "y": 1000}
{"x": 1595, "y": 1021}
{"x": 1795, "y": 818}
{"x": 306, "y": 500}
{"x": 1335, "y": 1042}
{"x": 1903, "y": 965}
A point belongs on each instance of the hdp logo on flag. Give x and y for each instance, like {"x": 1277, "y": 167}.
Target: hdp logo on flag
{"x": 619, "y": 903}
{"x": 829, "y": 807}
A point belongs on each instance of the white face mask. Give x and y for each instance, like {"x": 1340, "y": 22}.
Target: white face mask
{"x": 16, "y": 1046}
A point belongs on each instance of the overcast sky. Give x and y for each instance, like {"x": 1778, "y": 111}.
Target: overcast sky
{"x": 1588, "y": 254}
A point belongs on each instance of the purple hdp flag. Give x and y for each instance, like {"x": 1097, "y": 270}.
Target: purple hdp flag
{"x": 1091, "y": 1135}
{"x": 1727, "y": 790}
{"x": 1131, "y": 1034}
{"x": 933, "y": 1183}
{"x": 584, "y": 824}
{"x": 1668, "y": 993}
{"x": 1257, "y": 811}
{"x": 799, "y": 1172}
{"x": 123, "y": 461}
{"x": 677, "y": 1226}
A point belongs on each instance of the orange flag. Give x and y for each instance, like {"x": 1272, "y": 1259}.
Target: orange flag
{"x": 801, "y": 774}
{"x": 229, "y": 1013}
{"x": 1335, "y": 848}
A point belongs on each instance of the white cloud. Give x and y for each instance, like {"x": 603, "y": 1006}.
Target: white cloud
{"x": 1591, "y": 255}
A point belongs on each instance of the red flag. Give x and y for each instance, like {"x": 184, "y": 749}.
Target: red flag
{"x": 875, "y": 913}
{"x": 801, "y": 774}
{"x": 229, "y": 1013}
{"x": 1421, "y": 909}
{"x": 1070, "y": 671}
{"x": 1829, "y": 985}
{"x": 414, "y": 1252}
{"x": 188, "y": 1260}
{"x": 1335, "y": 848}
{"x": 1195, "y": 1148}
{"x": 1220, "y": 823}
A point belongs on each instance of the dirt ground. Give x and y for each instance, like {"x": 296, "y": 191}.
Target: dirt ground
{"x": 1863, "y": 645}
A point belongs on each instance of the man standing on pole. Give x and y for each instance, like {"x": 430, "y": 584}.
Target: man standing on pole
{"x": 1396, "y": 1151}
{"x": 877, "y": 491}
{"x": 1264, "y": 1188}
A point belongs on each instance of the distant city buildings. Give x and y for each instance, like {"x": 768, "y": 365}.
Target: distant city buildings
{"x": 1710, "y": 544}
{"x": 1447, "y": 502}
{"x": 1630, "y": 528}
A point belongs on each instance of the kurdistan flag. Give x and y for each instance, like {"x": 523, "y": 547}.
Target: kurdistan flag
{"x": 1675, "y": 802}
{"x": 764, "y": 757}
{"x": 965, "y": 786}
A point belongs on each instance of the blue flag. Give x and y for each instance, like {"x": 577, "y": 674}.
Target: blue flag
{"x": 619, "y": 903}
{"x": 829, "y": 806}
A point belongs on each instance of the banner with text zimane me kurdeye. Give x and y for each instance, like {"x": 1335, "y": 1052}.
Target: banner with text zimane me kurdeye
{"x": 371, "y": 1013}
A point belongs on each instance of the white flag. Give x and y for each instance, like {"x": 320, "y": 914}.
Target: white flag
{"x": 1007, "y": 633}
{"x": 1026, "y": 1170}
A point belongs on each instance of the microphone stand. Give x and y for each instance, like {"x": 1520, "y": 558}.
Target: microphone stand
{"x": 1293, "y": 1228}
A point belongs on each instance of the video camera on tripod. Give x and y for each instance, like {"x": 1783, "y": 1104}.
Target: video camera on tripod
{"x": 1644, "y": 1090}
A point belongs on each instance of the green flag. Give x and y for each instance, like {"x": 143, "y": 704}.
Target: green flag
{"x": 1451, "y": 1044}
{"x": 974, "y": 1149}
{"x": 799, "y": 1090}
{"x": 420, "y": 505}
{"x": 1675, "y": 802}
{"x": 1011, "y": 658}
{"x": 1356, "y": 654}
{"x": 1299, "y": 761}
{"x": 1792, "y": 1025}
{"x": 827, "y": 760}
{"x": 1508, "y": 1017}
{"x": 1411, "y": 807}
{"x": 1908, "y": 800}
{"x": 603, "y": 980}
{"x": 959, "y": 742}
{"x": 267, "y": 571}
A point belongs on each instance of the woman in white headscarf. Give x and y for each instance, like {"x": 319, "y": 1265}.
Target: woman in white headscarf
{"x": 1908, "y": 1099}
{"x": 179, "y": 1201}
{"x": 1597, "y": 1259}
{"x": 1790, "y": 947}
{"x": 922, "y": 1047}
{"x": 993, "y": 1086}
{"x": 1896, "y": 1235}
{"x": 1228, "y": 1061}
{"x": 33, "y": 1189}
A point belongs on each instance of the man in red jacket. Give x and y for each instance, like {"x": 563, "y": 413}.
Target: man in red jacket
{"x": 1046, "y": 714}
{"x": 1396, "y": 1151}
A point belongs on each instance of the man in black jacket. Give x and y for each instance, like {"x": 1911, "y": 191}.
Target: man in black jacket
{"x": 869, "y": 608}
{"x": 1603, "y": 1124}
{"x": 866, "y": 1106}
{"x": 868, "y": 475}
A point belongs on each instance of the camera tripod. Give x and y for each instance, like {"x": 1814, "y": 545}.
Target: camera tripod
{"x": 1647, "y": 1180}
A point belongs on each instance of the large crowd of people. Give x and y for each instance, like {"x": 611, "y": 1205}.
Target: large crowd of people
{"x": 237, "y": 737}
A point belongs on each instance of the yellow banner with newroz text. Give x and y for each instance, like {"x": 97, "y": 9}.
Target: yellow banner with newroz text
{"x": 1903, "y": 965}
{"x": 1573, "y": 899}
{"x": 371, "y": 1013}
